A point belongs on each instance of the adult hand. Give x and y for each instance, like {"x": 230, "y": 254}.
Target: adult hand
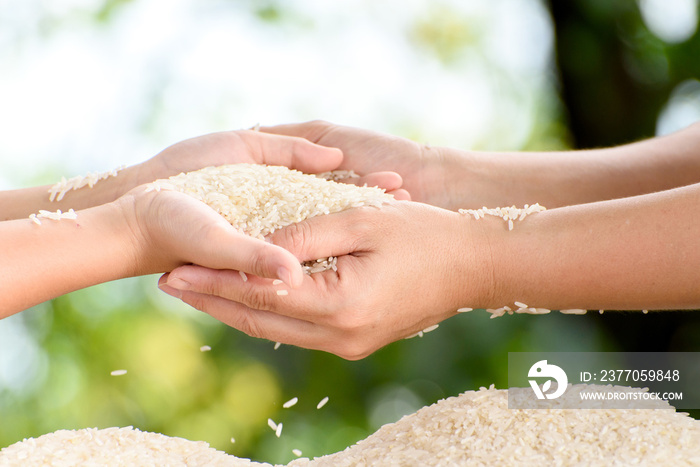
{"x": 401, "y": 269}
{"x": 423, "y": 169}
{"x": 254, "y": 147}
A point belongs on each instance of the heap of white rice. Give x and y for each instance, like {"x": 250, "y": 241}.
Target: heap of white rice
{"x": 258, "y": 199}
{"x": 475, "y": 428}
{"x": 115, "y": 447}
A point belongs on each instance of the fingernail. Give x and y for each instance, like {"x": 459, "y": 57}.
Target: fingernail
{"x": 170, "y": 291}
{"x": 179, "y": 284}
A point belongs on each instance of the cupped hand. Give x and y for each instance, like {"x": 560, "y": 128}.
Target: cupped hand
{"x": 401, "y": 268}
{"x": 171, "y": 229}
{"x": 254, "y": 147}
{"x": 421, "y": 168}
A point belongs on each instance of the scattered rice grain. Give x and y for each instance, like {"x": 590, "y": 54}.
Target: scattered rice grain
{"x": 118, "y": 372}
{"x": 323, "y": 402}
{"x": 290, "y": 403}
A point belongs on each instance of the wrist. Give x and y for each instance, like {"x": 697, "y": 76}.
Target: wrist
{"x": 471, "y": 277}
{"x": 132, "y": 237}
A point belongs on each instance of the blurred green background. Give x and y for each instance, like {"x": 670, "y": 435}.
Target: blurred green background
{"x": 92, "y": 84}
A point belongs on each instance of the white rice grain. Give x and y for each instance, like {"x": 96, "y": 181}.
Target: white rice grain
{"x": 323, "y": 402}
{"x": 118, "y": 372}
{"x": 290, "y": 403}
{"x": 282, "y": 292}
{"x": 574, "y": 311}
{"x": 243, "y": 276}
{"x": 204, "y": 348}
{"x": 59, "y": 190}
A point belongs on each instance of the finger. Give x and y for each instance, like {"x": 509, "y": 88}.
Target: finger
{"x": 400, "y": 194}
{"x": 313, "y": 130}
{"x": 299, "y": 153}
{"x": 255, "y": 323}
{"x": 387, "y": 180}
{"x": 335, "y": 234}
{"x": 226, "y": 248}
{"x": 310, "y": 301}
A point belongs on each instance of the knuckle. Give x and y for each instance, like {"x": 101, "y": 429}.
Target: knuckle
{"x": 262, "y": 259}
{"x": 256, "y": 299}
{"x": 250, "y": 326}
{"x": 294, "y": 237}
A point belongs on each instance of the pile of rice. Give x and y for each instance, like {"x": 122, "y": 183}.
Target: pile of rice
{"x": 259, "y": 199}
{"x": 115, "y": 447}
{"x": 475, "y": 428}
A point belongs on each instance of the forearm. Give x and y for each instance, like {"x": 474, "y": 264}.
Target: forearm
{"x": 20, "y": 203}
{"x": 632, "y": 253}
{"x": 554, "y": 179}
{"x": 39, "y": 262}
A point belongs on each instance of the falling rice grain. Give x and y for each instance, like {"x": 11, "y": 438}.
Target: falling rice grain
{"x": 323, "y": 402}
{"x": 296, "y": 452}
{"x": 118, "y": 373}
{"x": 277, "y": 345}
{"x": 204, "y": 348}
{"x": 290, "y": 403}
{"x": 278, "y": 430}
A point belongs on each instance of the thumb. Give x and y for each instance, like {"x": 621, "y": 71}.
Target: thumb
{"x": 299, "y": 153}
{"x": 335, "y": 234}
{"x": 230, "y": 249}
